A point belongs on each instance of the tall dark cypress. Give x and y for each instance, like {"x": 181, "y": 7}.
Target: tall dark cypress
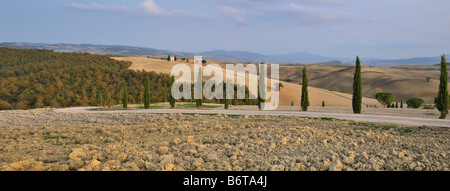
{"x": 147, "y": 93}
{"x": 305, "y": 98}
{"x": 171, "y": 99}
{"x": 226, "y": 101}
{"x": 125, "y": 98}
{"x": 261, "y": 86}
{"x": 199, "y": 101}
{"x": 443, "y": 99}
{"x": 357, "y": 90}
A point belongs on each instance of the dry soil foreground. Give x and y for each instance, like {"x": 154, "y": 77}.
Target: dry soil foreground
{"x": 42, "y": 139}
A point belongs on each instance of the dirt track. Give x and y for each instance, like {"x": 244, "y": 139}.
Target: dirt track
{"x": 400, "y": 120}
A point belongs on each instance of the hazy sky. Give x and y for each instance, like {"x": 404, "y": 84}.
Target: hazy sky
{"x": 335, "y": 28}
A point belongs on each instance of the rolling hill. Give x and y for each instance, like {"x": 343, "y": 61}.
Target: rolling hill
{"x": 289, "y": 93}
{"x": 223, "y": 55}
{"x": 403, "y": 81}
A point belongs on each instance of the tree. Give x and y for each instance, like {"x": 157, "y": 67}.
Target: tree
{"x": 171, "y": 99}
{"x": 226, "y": 104}
{"x": 305, "y": 98}
{"x": 199, "y": 101}
{"x": 261, "y": 86}
{"x": 108, "y": 99}
{"x": 125, "y": 97}
{"x": 414, "y": 102}
{"x": 396, "y": 104}
{"x": 168, "y": 57}
{"x": 280, "y": 85}
{"x": 292, "y": 103}
{"x": 401, "y": 103}
{"x": 203, "y": 61}
{"x": 384, "y": 98}
{"x": 323, "y": 103}
{"x": 357, "y": 91}
{"x": 164, "y": 92}
{"x": 147, "y": 93}
{"x": 175, "y": 58}
{"x": 442, "y": 100}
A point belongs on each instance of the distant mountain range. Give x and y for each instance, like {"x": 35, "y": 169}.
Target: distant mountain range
{"x": 221, "y": 55}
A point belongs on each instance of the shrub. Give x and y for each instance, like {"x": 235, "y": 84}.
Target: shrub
{"x": 415, "y": 102}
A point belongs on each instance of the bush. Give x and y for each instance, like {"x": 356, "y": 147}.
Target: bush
{"x": 415, "y": 102}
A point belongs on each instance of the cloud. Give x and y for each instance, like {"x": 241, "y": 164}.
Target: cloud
{"x": 148, "y": 6}
{"x": 98, "y": 7}
{"x": 309, "y": 15}
{"x": 237, "y": 15}
{"x": 152, "y": 8}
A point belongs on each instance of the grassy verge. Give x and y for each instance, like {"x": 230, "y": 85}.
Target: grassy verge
{"x": 193, "y": 105}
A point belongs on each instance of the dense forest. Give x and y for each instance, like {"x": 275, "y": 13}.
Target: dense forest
{"x": 33, "y": 78}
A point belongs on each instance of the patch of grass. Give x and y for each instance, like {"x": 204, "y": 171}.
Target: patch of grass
{"x": 233, "y": 116}
{"x": 388, "y": 127}
{"x": 193, "y": 105}
{"x": 151, "y": 107}
{"x": 404, "y": 131}
{"x": 209, "y": 114}
{"x": 80, "y": 142}
{"x": 49, "y": 137}
{"x": 428, "y": 113}
{"x": 106, "y": 109}
{"x": 368, "y": 125}
{"x": 326, "y": 118}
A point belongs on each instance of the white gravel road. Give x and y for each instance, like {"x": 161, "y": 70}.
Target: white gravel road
{"x": 400, "y": 120}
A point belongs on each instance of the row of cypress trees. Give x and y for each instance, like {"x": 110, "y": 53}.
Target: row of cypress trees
{"x": 147, "y": 97}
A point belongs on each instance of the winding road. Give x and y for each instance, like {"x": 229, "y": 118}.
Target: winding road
{"x": 408, "y": 121}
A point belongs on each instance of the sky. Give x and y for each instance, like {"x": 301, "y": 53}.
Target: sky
{"x": 388, "y": 29}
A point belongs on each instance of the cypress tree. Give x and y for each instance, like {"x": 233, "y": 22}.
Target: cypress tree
{"x": 443, "y": 99}
{"x": 357, "y": 90}
{"x": 171, "y": 99}
{"x": 225, "y": 96}
{"x": 125, "y": 98}
{"x": 100, "y": 100}
{"x": 164, "y": 92}
{"x": 147, "y": 93}
{"x": 199, "y": 102}
{"x": 261, "y": 85}
{"x": 305, "y": 98}
{"x": 401, "y": 103}
{"x": 108, "y": 99}
{"x": 323, "y": 103}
